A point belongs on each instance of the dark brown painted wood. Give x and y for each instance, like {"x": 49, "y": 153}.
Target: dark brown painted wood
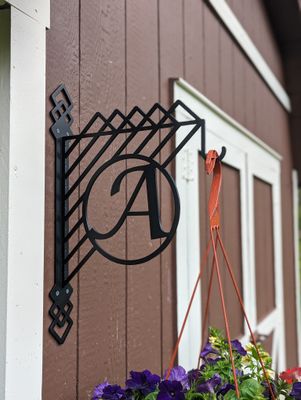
{"x": 250, "y": 100}
{"x": 171, "y": 58}
{"x": 102, "y": 305}
{"x": 62, "y": 52}
{"x": 211, "y": 56}
{"x": 264, "y": 248}
{"x": 227, "y": 77}
{"x": 194, "y": 50}
{"x": 143, "y": 295}
{"x": 231, "y": 233}
{"x": 239, "y": 86}
{"x": 267, "y": 343}
{"x": 254, "y": 18}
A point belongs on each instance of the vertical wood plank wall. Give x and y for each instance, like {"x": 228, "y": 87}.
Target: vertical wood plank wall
{"x": 117, "y": 54}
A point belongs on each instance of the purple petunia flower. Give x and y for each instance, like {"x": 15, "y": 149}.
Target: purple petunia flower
{"x": 98, "y": 390}
{"x": 171, "y": 390}
{"x": 296, "y": 392}
{"x": 239, "y": 372}
{"x": 194, "y": 375}
{"x": 225, "y": 388}
{"x": 144, "y": 381}
{"x": 236, "y": 345}
{"x": 113, "y": 392}
{"x": 212, "y": 361}
{"x": 208, "y": 349}
{"x": 209, "y": 385}
{"x": 178, "y": 374}
{"x": 267, "y": 393}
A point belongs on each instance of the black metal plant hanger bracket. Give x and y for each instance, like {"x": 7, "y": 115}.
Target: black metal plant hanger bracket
{"x": 72, "y": 217}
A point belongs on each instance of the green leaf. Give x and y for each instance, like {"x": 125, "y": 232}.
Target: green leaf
{"x": 230, "y": 395}
{"x": 251, "y": 388}
{"x": 152, "y": 396}
{"x": 195, "y": 396}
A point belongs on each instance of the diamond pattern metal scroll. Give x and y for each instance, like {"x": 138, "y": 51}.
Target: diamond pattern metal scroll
{"x": 81, "y": 162}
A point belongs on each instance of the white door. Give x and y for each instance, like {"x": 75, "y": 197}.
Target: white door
{"x": 258, "y": 167}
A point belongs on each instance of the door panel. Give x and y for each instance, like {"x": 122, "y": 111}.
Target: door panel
{"x": 266, "y": 253}
{"x": 231, "y": 232}
{"x": 264, "y": 248}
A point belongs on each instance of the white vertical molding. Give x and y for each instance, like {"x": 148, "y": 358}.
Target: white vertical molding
{"x": 4, "y": 187}
{"x": 278, "y": 257}
{"x": 297, "y": 257}
{"x": 247, "y": 276}
{"x": 188, "y": 252}
{"x": 24, "y": 176}
{"x": 252, "y": 303}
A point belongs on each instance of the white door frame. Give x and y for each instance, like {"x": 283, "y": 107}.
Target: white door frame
{"x": 22, "y": 197}
{"x": 296, "y": 200}
{"x": 243, "y": 147}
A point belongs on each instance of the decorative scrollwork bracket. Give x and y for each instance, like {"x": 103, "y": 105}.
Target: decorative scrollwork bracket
{"x": 73, "y": 230}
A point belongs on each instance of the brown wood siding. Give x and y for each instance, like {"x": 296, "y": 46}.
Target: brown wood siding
{"x": 171, "y": 61}
{"x": 254, "y": 18}
{"x": 267, "y": 343}
{"x": 102, "y": 286}
{"x": 118, "y": 54}
{"x": 144, "y": 282}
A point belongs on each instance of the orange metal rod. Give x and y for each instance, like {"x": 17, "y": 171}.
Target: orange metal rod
{"x": 176, "y": 348}
{"x": 205, "y": 318}
{"x": 224, "y": 313}
{"x": 244, "y": 311}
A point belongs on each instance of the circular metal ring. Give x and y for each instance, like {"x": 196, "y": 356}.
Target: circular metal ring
{"x": 90, "y": 231}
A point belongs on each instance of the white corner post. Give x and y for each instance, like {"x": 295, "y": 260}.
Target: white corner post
{"x": 22, "y": 177}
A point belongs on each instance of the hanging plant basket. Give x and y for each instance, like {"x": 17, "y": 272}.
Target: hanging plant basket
{"x": 212, "y": 380}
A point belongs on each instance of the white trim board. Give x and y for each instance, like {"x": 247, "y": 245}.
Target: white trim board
{"x": 22, "y": 179}
{"x": 4, "y": 187}
{"x": 252, "y": 158}
{"x": 232, "y": 23}
{"x": 39, "y": 10}
{"x": 296, "y": 256}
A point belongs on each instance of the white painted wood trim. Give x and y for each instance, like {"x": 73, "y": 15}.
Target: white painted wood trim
{"x": 232, "y": 23}
{"x": 252, "y": 158}
{"x": 4, "y": 187}
{"x": 297, "y": 259}
{"x": 23, "y": 180}
{"x": 188, "y": 256}
{"x": 39, "y": 10}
